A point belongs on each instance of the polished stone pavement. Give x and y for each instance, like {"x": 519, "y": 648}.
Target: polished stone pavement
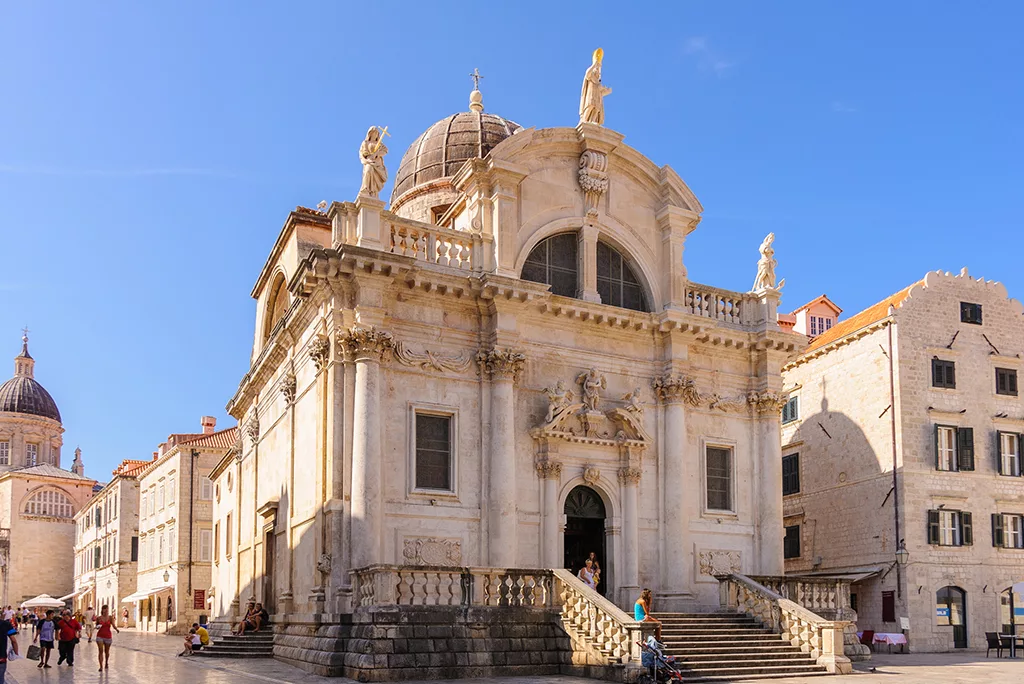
{"x": 140, "y": 658}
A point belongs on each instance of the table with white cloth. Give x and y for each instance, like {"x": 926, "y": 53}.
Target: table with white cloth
{"x": 889, "y": 638}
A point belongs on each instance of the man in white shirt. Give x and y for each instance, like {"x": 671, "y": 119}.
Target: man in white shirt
{"x": 9, "y": 614}
{"x": 89, "y": 622}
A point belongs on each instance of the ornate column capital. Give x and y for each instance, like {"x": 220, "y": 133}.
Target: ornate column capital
{"x": 674, "y": 389}
{"x": 320, "y": 351}
{"x": 367, "y": 344}
{"x": 502, "y": 364}
{"x": 766, "y": 401}
{"x": 629, "y": 477}
{"x": 549, "y": 470}
{"x": 252, "y": 427}
{"x": 288, "y": 387}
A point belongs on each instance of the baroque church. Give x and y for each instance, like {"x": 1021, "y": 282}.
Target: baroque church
{"x": 38, "y": 498}
{"x": 504, "y": 366}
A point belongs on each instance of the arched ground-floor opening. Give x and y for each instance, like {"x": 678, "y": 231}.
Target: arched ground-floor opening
{"x": 585, "y": 532}
{"x": 1011, "y": 609}
{"x": 951, "y": 610}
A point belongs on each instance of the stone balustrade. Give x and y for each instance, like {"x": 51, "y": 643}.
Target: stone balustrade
{"x": 436, "y": 245}
{"x": 820, "y": 638}
{"x": 601, "y": 633}
{"x": 720, "y": 305}
{"x": 814, "y": 593}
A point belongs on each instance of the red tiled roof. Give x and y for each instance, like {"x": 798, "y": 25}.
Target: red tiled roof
{"x": 870, "y": 315}
{"x": 814, "y": 301}
{"x": 130, "y": 467}
{"x": 225, "y": 439}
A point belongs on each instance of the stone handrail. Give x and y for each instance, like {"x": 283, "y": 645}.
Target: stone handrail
{"x": 609, "y": 634}
{"x": 820, "y": 638}
{"x": 813, "y": 593}
{"x": 718, "y": 304}
{"x": 436, "y": 245}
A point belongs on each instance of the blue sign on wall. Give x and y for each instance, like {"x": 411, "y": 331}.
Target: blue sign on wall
{"x": 1018, "y": 611}
{"x": 942, "y": 612}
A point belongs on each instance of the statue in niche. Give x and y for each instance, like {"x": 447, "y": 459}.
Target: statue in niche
{"x": 592, "y": 96}
{"x": 592, "y": 383}
{"x": 765, "y": 279}
{"x": 371, "y": 154}
{"x": 559, "y": 399}
{"x": 633, "y": 402}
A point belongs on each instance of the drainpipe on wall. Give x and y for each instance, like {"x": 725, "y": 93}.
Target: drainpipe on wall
{"x": 191, "y": 509}
{"x": 892, "y": 424}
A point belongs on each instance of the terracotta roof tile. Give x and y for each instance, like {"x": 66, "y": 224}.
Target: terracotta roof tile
{"x": 870, "y": 315}
{"x": 130, "y": 467}
{"x": 225, "y": 439}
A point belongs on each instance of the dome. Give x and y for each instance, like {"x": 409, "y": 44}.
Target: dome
{"x": 24, "y": 395}
{"x": 444, "y": 147}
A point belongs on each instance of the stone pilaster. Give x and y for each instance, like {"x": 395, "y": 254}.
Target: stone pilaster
{"x": 629, "y": 582}
{"x": 550, "y": 473}
{"x": 767, "y": 407}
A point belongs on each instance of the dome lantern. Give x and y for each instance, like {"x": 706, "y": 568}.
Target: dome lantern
{"x": 22, "y": 394}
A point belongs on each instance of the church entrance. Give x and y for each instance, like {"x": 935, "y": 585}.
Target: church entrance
{"x": 584, "y": 531}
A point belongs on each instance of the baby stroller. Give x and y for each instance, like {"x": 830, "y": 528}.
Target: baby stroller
{"x": 660, "y": 668}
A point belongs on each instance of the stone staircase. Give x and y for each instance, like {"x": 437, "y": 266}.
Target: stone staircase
{"x": 728, "y": 647}
{"x": 249, "y": 645}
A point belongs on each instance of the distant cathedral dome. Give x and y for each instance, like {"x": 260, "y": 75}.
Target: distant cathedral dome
{"x": 423, "y": 184}
{"x": 22, "y": 394}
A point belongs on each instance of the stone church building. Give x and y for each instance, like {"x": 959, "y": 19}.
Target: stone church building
{"x": 506, "y": 366}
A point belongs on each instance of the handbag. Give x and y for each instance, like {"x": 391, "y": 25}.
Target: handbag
{"x": 33, "y": 652}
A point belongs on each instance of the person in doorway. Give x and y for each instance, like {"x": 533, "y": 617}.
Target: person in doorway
{"x": 69, "y": 630}
{"x": 586, "y": 574}
{"x": 124, "y": 618}
{"x": 642, "y": 612}
{"x": 46, "y": 630}
{"x": 104, "y": 638}
{"x": 597, "y": 568}
{"x": 8, "y": 630}
{"x": 88, "y": 618}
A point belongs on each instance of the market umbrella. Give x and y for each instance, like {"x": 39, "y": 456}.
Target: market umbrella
{"x": 43, "y": 601}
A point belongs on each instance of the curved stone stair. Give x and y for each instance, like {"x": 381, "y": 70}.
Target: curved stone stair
{"x": 249, "y": 645}
{"x": 729, "y": 647}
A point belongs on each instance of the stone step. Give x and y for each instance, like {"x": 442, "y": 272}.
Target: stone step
{"x": 744, "y": 672}
{"x": 703, "y": 638}
{"x": 779, "y": 647}
{"x": 255, "y": 638}
{"x": 225, "y": 653}
{"x": 750, "y": 678}
{"x": 742, "y": 656}
{"x": 699, "y": 615}
{"x": 716, "y": 631}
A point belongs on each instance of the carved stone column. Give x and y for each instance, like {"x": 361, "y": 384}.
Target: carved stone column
{"x": 586, "y": 255}
{"x": 682, "y": 480}
{"x": 629, "y": 584}
{"x": 550, "y": 473}
{"x": 503, "y": 366}
{"x": 369, "y": 348}
{"x": 767, "y": 405}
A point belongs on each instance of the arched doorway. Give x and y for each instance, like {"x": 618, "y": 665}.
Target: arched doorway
{"x": 1011, "y": 608}
{"x": 951, "y": 609}
{"x": 584, "y": 531}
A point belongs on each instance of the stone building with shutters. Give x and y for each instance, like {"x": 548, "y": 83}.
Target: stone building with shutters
{"x": 38, "y": 498}
{"x": 507, "y": 367}
{"x": 952, "y": 433}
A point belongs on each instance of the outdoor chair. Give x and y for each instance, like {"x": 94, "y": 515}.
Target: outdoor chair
{"x": 995, "y": 642}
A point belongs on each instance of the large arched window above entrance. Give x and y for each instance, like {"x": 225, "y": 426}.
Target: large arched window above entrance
{"x": 51, "y": 503}
{"x": 277, "y": 305}
{"x": 584, "y": 502}
{"x": 554, "y": 262}
{"x": 617, "y": 282}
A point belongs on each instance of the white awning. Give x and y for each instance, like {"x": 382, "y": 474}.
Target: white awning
{"x": 145, "y": 593}
{"x": 76, "y": 593}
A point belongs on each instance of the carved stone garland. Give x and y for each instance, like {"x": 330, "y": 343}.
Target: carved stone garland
{"x": 367, "y": 343}
{"x": 320, "y": 351}
{"x": 252, "y": 427}
{"x": 428, "y": 360}
{"x": 593, "y": 179}
{"x": 502, "y": 364}
{"x": 288, "y": 387}
{"x": 433, "y": 551}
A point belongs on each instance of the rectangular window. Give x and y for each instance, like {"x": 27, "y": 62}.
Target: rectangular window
{"x": 433, "y": 452}
{"x": 1008, "y": 530}
{"x": 160, "y": 497}
{"x": 1006, "y": 381}
{"x": 99, "y": 516}
{"x": 227, "y": 537}
{"x": 814, "y": 325}
{"x": 96, "y": 551}
{"x": 943, "y": 374}
{"x": 205, "y": 545}
{"x": 152, "y": 500}
{"x": 142, "y": 506}
{"x": 205, "y": 488}
{"x": 954, "y": 448}
{"x": 1009, "y": 453}
{"x": 151, "y": 548}
{"x": 161, "y": 549}
{"x": 172, "y": 549}
{"x": 791, "y": 409}
{"x": 216, "y": 542}
{"x": 135, "y": 549}
{"x": 950, "y": 528}
{"x": 170, "y": 492}
{"x": 791, "y": 474}
{"x": 970, "y": 313}
{"x": 888, "y": 606}
{"x": 791, "y": 545}
{"x": 5, "y": 453}
{"x": 718, "y": 470}
{"x": 31, "y": 454}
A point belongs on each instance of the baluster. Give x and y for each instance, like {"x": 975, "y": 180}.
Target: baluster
{"x": 442, "y": 252}
{"x": 464, "y": 261}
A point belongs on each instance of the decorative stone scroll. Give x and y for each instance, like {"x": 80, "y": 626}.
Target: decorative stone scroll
{"x": 593, "y": 179}
{"x": 367, "y": 344}
{"x": 714, "y": 562}
{"x": 591, "y": 475}
{"x": 766, "y": 401}
{"x": 502, "y": 364}
{"x": 288, "y": 387}
{"x": 428, "y": 360}
{"x": 435, "y": 551}
{"x": 320, "y": 351}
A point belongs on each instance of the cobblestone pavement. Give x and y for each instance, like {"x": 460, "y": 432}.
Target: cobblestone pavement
{"x": 139, "y": 658}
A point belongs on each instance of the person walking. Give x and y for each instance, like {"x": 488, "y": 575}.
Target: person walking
{"x": 89, "y": 621}
{"x": 69, "y": 631}
{"x": 124, "y": 618}
{"x": 7, "y": 631}
{"x": 46, "y": 630}
{"x": 586, "y": 574}
{"x": 105, "y": 622}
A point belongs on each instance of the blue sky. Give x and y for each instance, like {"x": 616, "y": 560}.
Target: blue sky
{"x": 149, "y": 153}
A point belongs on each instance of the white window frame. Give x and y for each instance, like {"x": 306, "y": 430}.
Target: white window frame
{"x": 31, "y": 454}
{"x": 142, "y": 508}
{"x": 172, "y": 550}
{"x": 205, "y": 488}
{"x": 170, "y": 491}
{"x": 5, "y": 452}
{"x": 949, "y": 528}
{"x": 947, "y": 451}
{"x": 718, "y": 444}
{"x": 1013, "y": 531}
{"x": 795, "y": 398}
{"x": 160, "y": 502}
{"x": 228, "y": 536}
{"x": 444, "y": 411}
{"x": 1009, "y": 453}
{"x": 205, "y": 546}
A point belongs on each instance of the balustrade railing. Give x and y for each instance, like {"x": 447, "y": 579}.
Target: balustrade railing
{"x": 820, "y": 638}
{"x": 436, "y": 245}
{"x": 720, "y": 305}
{"x": 813, "y": 593}
{"x": 605, "y": 633}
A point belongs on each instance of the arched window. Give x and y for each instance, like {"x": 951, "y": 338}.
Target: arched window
{"x": 553, "y": 262}
{"x": 616, "y": 282}
{"x": 277, "y": 304}
{"x": 51, "y": 503}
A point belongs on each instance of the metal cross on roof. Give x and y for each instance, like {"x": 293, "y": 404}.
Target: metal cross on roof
{"x": 25, "y": 331}
{"x": 476, "y": 78}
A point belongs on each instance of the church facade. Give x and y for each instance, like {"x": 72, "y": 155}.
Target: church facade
{"x": 507, "y": 367}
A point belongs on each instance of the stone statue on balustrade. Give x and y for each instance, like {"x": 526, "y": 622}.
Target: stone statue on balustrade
{"x": 591, "y": 383}
{"x": 633, "y": 402}
{"x": 371, "y": 154}
{"x": 559, "y": 399}
{"x": 592, "y": 96}
{"x": 765, "y": 279}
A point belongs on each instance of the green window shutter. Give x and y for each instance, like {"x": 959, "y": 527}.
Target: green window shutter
{"x": 936, "y": 431}
{"x": 933, "y": 527}
{"x": 999, "y": 452}
{"x": 965, "y": 448}
{"x": 997, "y": 529}
{"x": 966, "y": 529}
{"x": 951, "y": 375}
{"x": 1020, "y": 455}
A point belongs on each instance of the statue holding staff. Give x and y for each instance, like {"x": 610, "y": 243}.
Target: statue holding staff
{"x": 371, "y": 154}
{"x": 592, "y": 96}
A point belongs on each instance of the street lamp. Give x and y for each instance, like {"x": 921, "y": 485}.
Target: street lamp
{"x": 167, "y": 576}
{"x": 902, "y": 555}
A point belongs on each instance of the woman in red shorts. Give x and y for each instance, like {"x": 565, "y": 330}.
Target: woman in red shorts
{"x": 105, "y": 621}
